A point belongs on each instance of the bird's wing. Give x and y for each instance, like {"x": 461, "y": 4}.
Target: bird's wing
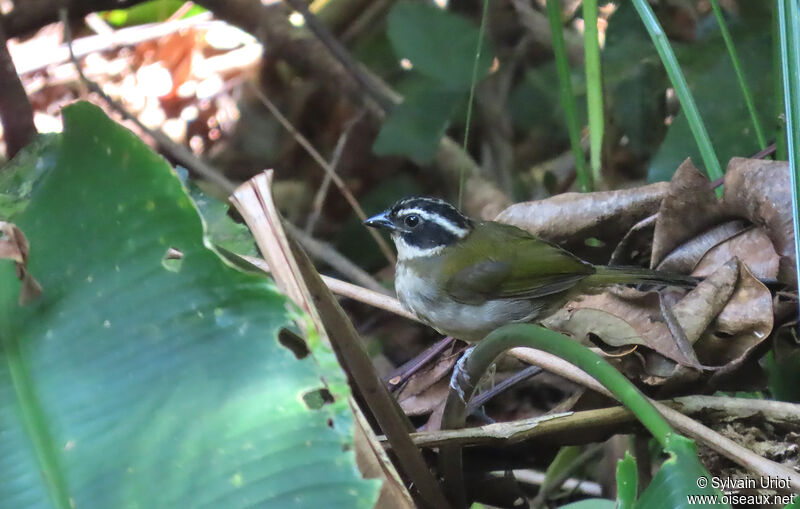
{"x": 521, "y": 267}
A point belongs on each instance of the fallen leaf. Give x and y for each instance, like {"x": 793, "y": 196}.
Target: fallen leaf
{"x": 742, "y": 325}
{"x": 760, "y": 191}
{"x": 14, "y": 246}
{"x": 752, "y": 247}
{"x": 573, "y": 217}
{"x": 684, "y": 258}
{"x": 426, "y": 401}
{"x": 623, "y": 316}
{"x": 689, "y": 208}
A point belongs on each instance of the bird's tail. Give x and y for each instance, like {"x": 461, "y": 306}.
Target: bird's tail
{"x": 606, "y": 275}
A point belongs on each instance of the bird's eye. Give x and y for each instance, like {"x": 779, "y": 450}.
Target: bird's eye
{"x": 412, "y": 221}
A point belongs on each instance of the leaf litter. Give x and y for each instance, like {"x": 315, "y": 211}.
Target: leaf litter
{"x": 736, "y": 244}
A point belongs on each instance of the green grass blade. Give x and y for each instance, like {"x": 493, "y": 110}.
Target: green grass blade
{"x": 567, "y": 96}
{"x": 777, "y": 83}
{"x": 737, "y": 67}
{"x": 789, "y": 27}
{"x": 594, "y": 87}
{"x": 676, "y": 77}
{"x": 473, "y": 84}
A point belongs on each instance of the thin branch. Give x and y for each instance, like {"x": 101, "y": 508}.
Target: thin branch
{"x": 322, "y": 192}
{"x": 322, "y": 251}
{"x": 704, "y": 435}
{"x": 344, "y": 289}
{"x": 329, "y": 170}
{"x": 16, "y": 113}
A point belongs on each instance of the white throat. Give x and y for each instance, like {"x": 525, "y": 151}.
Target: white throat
{"x": 406, "y": 251}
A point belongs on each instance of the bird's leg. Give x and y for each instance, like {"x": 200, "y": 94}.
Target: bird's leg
{"x": 400, "y": 375}
{"x": 460, "y": 381}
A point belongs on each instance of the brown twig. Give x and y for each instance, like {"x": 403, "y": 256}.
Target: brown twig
{"x": 16, "y": 113}
{"x": 131, "y": 36}
{"x": 322, "y": 192}
{"x": 329, "y": 170}
{"x": 324, "y": 252}
{"x": 708, "y": 437}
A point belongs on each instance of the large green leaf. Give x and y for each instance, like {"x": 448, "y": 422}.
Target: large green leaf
{"x": 415, "y": 126}
{"x": 441, "y": 45}
{"x": 128, "y": 385}
{"x": 678, "y": 478}
{"x": 712, "y": 80}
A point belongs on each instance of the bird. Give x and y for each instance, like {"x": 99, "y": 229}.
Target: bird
{"x": 466, "y": 277}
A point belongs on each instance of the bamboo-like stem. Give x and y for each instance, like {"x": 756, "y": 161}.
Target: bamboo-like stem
{"x": 567, "y": 95}
{"x": 789, "y": 27}
{"x": 737, "y": 67}
{"x": 676, "y": 77}
{"x": 594, "y": 87}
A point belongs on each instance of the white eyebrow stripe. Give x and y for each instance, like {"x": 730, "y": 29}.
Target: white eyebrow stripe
{"x": 444, "y": 223}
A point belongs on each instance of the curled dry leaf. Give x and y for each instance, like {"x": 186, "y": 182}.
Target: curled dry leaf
{"x": 742, "y": 325}
{"x": 423, "y": 391}
{"x": 752, "y": 247}
{"x": 618, "y": 321}
{"x": 605, "y": 215}
{"x": 689, "y": 208}
{"x": 14, "y": 246}
{"x": 760, "y": 191}
{"x": 684, "y": 258}
{"x": 621, "y": 317}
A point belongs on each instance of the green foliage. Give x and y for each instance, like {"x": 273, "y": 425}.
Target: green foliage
{"x": 219, "y": 228}
{"x": 415, "y": 127}
{"x": 712, "y": 79}
{"x": 627, "y": 481}
{"x": 21, "y": 175}
{"x": 636, "y": 84}
{"x": 439, "y": 44}
{"x": 677, "y": 478}
{"x": 127, "y": 385}
{"x": 148, "y": 12}
{"x": 441, "y": 47}
{"x": 782, "y": 364}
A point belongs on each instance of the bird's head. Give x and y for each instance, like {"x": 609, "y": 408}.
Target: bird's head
{"x": 422, "y": 227}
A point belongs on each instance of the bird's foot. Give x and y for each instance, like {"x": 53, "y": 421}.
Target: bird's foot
{"x": 461, "y": 382}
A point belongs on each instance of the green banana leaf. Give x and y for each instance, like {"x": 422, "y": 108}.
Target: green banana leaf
{"x": 137, "y": 382}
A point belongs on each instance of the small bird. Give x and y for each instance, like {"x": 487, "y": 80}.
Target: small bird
{"x": 465, "y": 277}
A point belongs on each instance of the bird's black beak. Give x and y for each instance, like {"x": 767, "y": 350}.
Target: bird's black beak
{"x": 381, "y": 221}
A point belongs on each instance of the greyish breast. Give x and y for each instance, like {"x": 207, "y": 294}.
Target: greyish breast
{"x": 463, "y": 321}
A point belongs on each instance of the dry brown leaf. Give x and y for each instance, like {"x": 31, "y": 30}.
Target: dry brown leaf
{"x": 684, "y": 258}
{"x": 14, "y": 246}
{"x": 752, "y": 247}
{"x": 700, "y": 306}
{"x": 425, "y": 378}
{"x": 605, "y": 215}
{"x": 373, "y": 463}
{"x": 426, "y": 401}
{"x": 623, "y": 317}
{"x": 618, "y": 322}
{"x": 760, "y": 191}
{"x": 690, "y": 207}
{"x": 742, "y": 325}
